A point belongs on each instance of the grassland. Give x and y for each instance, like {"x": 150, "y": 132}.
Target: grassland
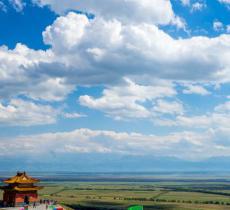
{"x": 176, "y": 195}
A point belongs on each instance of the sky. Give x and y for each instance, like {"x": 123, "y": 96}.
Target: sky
{"x": 114, "y": 85}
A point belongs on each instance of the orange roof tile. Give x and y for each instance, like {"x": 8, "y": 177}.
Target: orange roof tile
{"x": 35, "y": 188}
{"x": 27, "y": 188}
{"x": 21, "y": 178}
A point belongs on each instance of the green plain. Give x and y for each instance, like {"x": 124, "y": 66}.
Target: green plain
{"x": 156, "y": 195}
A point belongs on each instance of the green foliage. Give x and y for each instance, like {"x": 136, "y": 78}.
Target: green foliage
{"x": 135, "y": 208}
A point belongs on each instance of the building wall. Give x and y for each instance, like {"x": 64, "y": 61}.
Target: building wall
{"x": 12, "y": 198}
{"x": 9, "y": 198}
{"x": 20, "y": 197}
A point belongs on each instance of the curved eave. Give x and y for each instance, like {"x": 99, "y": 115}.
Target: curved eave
{"x": 27, "y": 189}
{"x": 20, "y": 181}
{"x": 35, "y": 188}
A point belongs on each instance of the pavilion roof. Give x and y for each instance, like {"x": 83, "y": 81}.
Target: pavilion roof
{"x": 21, "y": 178}
{"x": 21, "y": 189}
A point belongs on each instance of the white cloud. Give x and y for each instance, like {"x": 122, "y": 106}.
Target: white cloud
{"x": 168, "y": 107}
{"x": 66, "y": 32}
{"x": 127, "y": 100}
{"x": 224, "y": 1}
{"x": 99, "y": 51}
{"x": 73, "y": 115}
{"x": 198, "y": 145}
{"x": 104, "y": 50}
{"x": 24, "y": 113}
{"x": 51, "y": 89}
{"x": 223, "y": 108}
{"x": 155, "y": 11}
{"x": 217, "y": 119}
{"x": 196, "y": 89}
{"x": 185, "y": 2}
{"x": 198, "y": 6}
{"x": 218, "y": 26}
{"x": 3, "y": 7}
{"x": 228, "y": 28}
{"x": 158, "y": 53}
{"x": 18, "y": 5}
{"x": 100, "y": 141}
{"x": 19, "y": 75}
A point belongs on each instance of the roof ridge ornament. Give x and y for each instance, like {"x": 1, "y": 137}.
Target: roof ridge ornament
{"x": 21, "y": 178}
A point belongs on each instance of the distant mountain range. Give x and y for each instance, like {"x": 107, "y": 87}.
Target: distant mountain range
{"x": 108, "y": 163}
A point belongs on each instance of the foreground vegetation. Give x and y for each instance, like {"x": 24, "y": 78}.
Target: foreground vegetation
{"x": 157, "y": 195}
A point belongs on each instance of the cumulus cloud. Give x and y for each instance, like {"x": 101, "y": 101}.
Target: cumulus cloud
{"x": 66, "y": 32}
{"x": 96, "y": 51}
{"x": 99, "y": 51}
{"x": 113, "y": 51}
{"x": 168, "y": 107}
{"x": 127, "y": 100}
{"x": 155, "y": 11}
{"x": 24, "y": 113}
{"x": 218, "y": 26}
{"x": 19, "y": 75}
{"x": 195, "y": 89}
{"x": 125, "y": 54}
{"x": 217, "y": 119}
{"x": 198, "y": 145}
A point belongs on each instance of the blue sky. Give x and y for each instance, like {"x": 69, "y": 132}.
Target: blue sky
{"x": 85, "y": 79}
